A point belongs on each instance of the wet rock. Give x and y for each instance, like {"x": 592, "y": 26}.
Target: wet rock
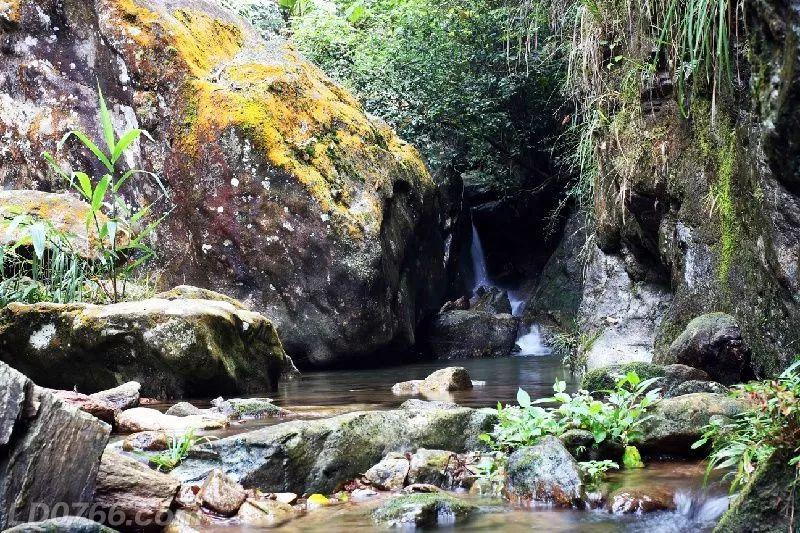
{"x": 132, "y": 489}
{"x": 675, "y": 423}
{"x": 693, "y": 386}
{"x": 66, "y": 524}
{"x": 767, "y": 502}
{"x": 183, "y": 409}
{"x": 390, "y": 473}
{"x": 147, "y": 441}
{"x": 264, "y": 513}
{"x": 248, "y": 408}
{"x": 424, "y": 510}
{"x": 581, "y": 444}
{"x": 125, "y": 396}
{"x": 713, "y": 343}
{"x": 189, "y": 521}
{"x": 327, "y": 452}
{"x": 492, "y": 300}
{"x": 221, "y": 494}
{"x": 145, "y": 419}
{"x": 423, "y": 405}
{"x": 605, "y": 378}
{"x": 181, "y": 346}
{"x": 289, "y": 498}
{"x": 52, "y": 450}
{"x": 101, "y": 409}
{"x": 545, "y": 472}
{"x": 421, "y": 488}
{"x": 187, "y": 496}
{"x": 461, "y": 304}
{"x": 407, "y": 388}
{"x": 472, "y": 334}
{"x": 433, "y": 467}
{"x": 640, "y": 500}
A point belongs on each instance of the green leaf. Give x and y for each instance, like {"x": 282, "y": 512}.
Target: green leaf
{"x": 123, "y": 144}
{"x": 50, "y": 159}
{"x": 38, "y": 234}
{"x": 105, "y": 122}
{"x": 523, "y": 398}
{"x": 84, "y": 184}
{"x": 90, "y": 145}
{"x": 100, "y": 193}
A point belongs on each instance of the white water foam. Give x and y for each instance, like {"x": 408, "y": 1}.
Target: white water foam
{"x": 531, "y": 343}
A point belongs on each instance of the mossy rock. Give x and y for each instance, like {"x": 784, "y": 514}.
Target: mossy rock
{"x": 603, "y": 379}
{"x": 424, "y": 510}
{"x": 768, "y": 502}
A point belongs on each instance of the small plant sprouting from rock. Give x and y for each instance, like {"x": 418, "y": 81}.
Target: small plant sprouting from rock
{"x": 771, "y": 423}
{"x": 618, "y": 419}
{"x": 120, "y": 230}
{"x": 595, "y": 471}
{"x": 177, "y": 452}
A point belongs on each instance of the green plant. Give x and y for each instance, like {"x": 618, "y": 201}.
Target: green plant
{"x": 595, "y": 471}
{"x": 39, "y": 263}
{"x": 618, "y": 419}
{"x": 573, "y": 345}
{"x": 119, "y": 230}
{"x": 177, "y": 451}
{"x": 772, "y": 422}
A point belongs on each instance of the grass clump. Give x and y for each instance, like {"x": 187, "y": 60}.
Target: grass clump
{"x": 177, "y": 452}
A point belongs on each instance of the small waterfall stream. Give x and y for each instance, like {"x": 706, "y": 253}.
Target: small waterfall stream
{"x": 530, "y": 343}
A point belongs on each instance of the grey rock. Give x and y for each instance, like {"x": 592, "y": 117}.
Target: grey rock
{"x": 545, "y": 472}
{"x": 713, "y": 343}
{"x": 491, "y": 300}
{"x": 53, "y": 452}
{"x": 693, "y": 386}
{"x": 423, "y": 405}
{"x": 424, "y": 510}
{"x": 134, "y": 490}
{"x": 221, "y": 494}
{"x": 183, "y": 409}
{"x": 122, "y": 397}
{"x": 306, "y": 456}
{"x": 472, "y": 334}
{"x": 433, "y": 467}
{"x": 248, "y": 408}
{"x": 390, "y": 473}
{"x": 65, "y": 524}
{"x": 674, "y": 424}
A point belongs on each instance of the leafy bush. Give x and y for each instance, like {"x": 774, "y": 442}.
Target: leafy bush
{"x": 771, "y": 423}
{"x": 120, "y": 231}
{"x": 595, "y": 471}
{"x": 469, "y": 82}
{"x": 618, "y": 419}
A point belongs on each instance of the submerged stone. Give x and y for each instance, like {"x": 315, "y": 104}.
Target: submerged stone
{"x": 545, "y": 472}
{"x": 424, "y": 510}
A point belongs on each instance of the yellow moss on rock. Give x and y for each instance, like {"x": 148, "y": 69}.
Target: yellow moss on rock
{"x": 10, "y": 10}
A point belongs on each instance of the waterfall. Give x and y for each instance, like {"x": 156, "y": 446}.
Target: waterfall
{"x": 531, "y": 343}
{"x": 478, "y": 262}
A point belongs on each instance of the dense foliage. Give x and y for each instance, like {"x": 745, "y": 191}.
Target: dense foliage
{"x": 473, "y": 84}
{"x": 772, "y": 422}
{"x": 617, "y": 418}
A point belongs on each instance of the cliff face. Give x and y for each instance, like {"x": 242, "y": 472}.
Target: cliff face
{"x": 697, "y": 188}
{"x": 283, "y": 192}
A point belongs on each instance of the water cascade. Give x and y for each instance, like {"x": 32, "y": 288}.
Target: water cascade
{"x": 478, "y": 262}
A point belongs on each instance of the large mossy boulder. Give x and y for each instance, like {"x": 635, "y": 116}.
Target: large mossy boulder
{"x": 307, "y": 456}
{"x": 769, "y": 501}
{"x": 283, "y": 192}
{"x": 172, "y": 347}
{"x": 49, "y": 451}
{"x": 674, "y": 424}
{"x": 713, "y": 343}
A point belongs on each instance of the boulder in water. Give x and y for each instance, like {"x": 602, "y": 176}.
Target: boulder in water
{"x": 146, "y": 441}
{"x": 221, "y": 494}
{"x": 545, "y": 472}
{"x": 248, "y": 408}
{"x": 122, "y": 397}
{"x": 424, "y": 511}
{"x": 390, "y": 473}
{"x": 183, "y": 409}
{"x": 327, "y": 452}
{"x": 638, "y": 500}
{"x": 180, "y": 347}
{"x": 491, "y": 300}
{"x": 66, "y": 524}
{"x": 471, "y": 334}
{"x": 146, "y": 419}
{"x": 264, "y": 513}
{"x": 101, "y": 409}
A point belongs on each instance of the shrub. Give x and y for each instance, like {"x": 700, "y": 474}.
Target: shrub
{"x": 771, "y": 423}
{"x": 177, "y": 452}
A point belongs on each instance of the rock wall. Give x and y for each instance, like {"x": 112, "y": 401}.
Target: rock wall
{"x": 704, "y": 209}
{"x": 283, "y": 192}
